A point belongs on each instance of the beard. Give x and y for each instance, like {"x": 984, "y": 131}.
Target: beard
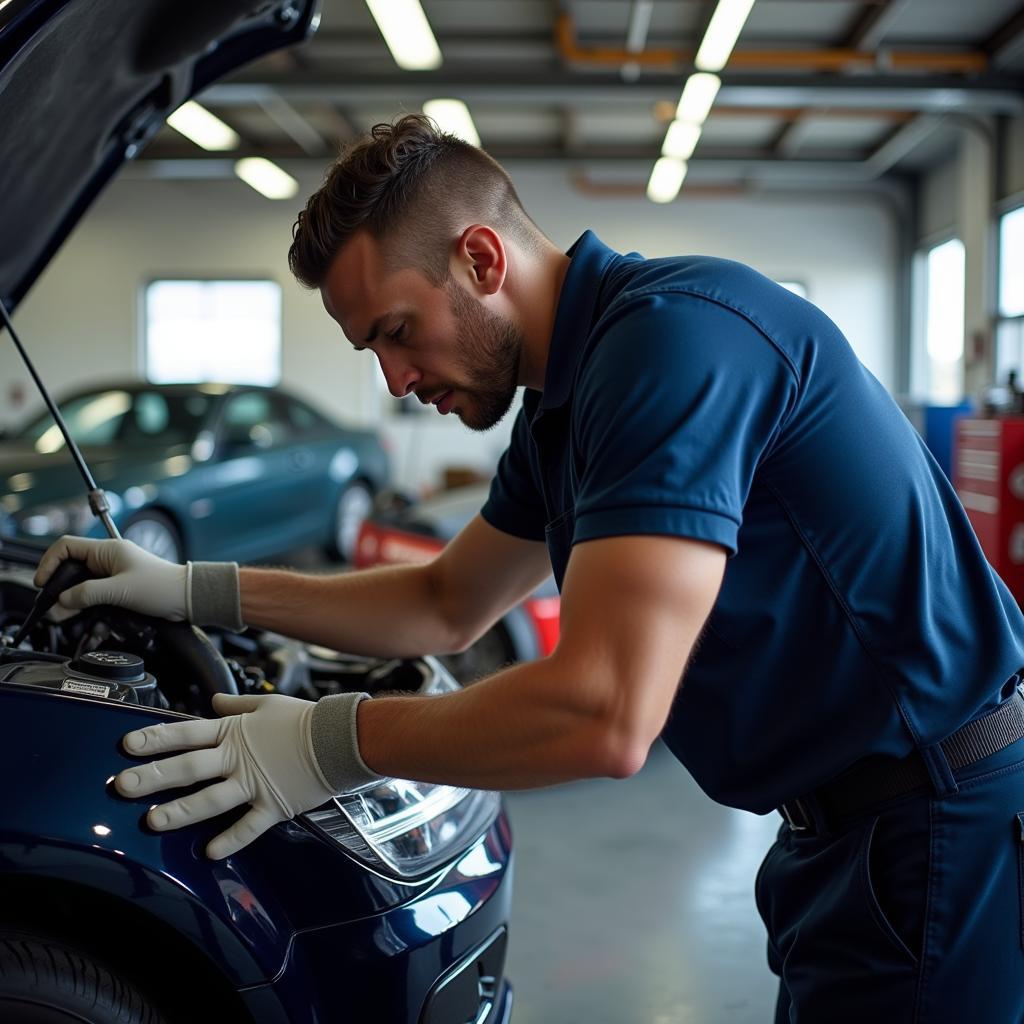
{"x": 489, "y": 348}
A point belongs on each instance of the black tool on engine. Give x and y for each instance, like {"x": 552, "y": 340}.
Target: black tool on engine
{"x": 97, "y": 499}
{"x": 69, "y": 573}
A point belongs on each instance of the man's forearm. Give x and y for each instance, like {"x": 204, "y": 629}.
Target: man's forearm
{"x": 530, "y": 725}
{"x": 392, "y": 611}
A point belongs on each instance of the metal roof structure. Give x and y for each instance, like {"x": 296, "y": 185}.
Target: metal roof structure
{"x": 817, "y": 93}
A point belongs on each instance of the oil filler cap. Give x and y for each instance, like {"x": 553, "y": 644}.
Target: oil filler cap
{"x": 114, "y": 665}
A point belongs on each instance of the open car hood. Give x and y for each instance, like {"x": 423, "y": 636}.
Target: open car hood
{"x": 85, "y": 84}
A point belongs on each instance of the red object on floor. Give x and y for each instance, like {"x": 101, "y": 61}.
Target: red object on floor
{"x": 381, "y": 545}
{"x": 377, "y": 545}
{"x": 544, "y": 614}
{"x": 988, "y": 474}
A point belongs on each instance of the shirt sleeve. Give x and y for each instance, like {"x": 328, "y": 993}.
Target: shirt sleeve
{"x": 679, "y": 402}
{"x": 515, "y": 504}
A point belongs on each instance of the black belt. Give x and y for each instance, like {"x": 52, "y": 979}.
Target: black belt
{"x": 877, "y": 780}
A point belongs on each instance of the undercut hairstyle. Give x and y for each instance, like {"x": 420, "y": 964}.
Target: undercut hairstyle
{"x": 414, "y": 188}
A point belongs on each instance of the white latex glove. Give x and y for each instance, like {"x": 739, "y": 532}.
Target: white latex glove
{"x": 134, "y": 578}
{"x": 263, "y": 750}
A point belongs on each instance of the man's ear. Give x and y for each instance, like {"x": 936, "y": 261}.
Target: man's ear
{"x": 481, "y": 259}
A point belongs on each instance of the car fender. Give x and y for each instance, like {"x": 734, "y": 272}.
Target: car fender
{"x": 151, "y": 899}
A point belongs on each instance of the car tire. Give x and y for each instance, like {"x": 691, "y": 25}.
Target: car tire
{"x": 156, "y": 533}
{"x": 353, "y": 506}
{"x": 46, "y": 981}
{"x": 491, "y": 653}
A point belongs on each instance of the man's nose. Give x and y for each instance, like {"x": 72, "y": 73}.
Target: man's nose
{"x": 400, "y": 379}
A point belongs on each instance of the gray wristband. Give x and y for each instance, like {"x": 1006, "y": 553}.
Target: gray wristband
{"x": 336, "y": 743}
{"x": 212, "y": 597}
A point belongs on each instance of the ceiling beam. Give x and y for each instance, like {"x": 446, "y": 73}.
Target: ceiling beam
{"x": 873, "y": 23}
{"x": 294, "y": 125}
{"x": 901, "y": 142}
{"x": 786, "y": 60}
{"x": 340, "y": 122}
{"x": 788, "y": 142}
{"x": 556, "y": 149}
{"x": 717, "y": 168}
{"x": 666, "y": 112}
{"x": 471, "y": 46}
{"x": 1007, "y": 42}
{"x": 571, "y": 137}
{"x": 986, "y": 93}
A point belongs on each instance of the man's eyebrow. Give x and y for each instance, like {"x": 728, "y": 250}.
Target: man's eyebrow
{"x": 375, "y": 327}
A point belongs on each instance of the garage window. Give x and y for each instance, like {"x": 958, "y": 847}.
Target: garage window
{"x": 939, "y": 349}
{"x": 212, "y": 331}
{"x": 1010, "y": 324}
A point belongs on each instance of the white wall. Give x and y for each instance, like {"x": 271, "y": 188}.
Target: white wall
{"x": 81, "y": 320}
{"x": 843, "y": 250}
{"x": 937, "y": 201}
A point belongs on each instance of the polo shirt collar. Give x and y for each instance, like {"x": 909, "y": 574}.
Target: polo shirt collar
{"x": 575, "y": 316}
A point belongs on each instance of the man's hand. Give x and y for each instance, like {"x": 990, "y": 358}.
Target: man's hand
{"x": 133, "y": 578}
{"x": 262, "y": 749}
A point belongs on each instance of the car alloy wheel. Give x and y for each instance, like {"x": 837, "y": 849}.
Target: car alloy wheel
{"x": 156, "y": 534}
{"x": 354, "y": 505}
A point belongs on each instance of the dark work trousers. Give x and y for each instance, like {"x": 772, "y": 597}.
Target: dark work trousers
{"x": 914, "y": 914}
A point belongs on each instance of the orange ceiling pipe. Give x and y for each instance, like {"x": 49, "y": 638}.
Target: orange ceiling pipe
{"x": 834, "y": 59}
{"x": 565, "y": 39}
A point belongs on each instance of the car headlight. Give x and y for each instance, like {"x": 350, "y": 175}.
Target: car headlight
{"x": 407, "y": 830}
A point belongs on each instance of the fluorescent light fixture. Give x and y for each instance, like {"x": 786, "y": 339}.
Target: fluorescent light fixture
{"x": 453, "y": 116}
{"x": 698, "y": 95}
{"x": 407, "y": 32}
{"x": 266, "y": 177}
{"x": 201, "y": 127}
{"x": 681, "y": 140}
{"x": 723, "y": 30}
{"x": 666, "y": 180}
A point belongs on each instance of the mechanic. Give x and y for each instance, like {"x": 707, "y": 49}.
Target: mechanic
{"x": 720, "y": 487}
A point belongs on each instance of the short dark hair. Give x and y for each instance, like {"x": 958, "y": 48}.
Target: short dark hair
{"x": 412, "y": 187}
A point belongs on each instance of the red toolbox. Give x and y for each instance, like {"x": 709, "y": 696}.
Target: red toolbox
{"x": 988, "y": 474}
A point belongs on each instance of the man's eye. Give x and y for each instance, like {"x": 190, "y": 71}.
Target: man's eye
{"x": 396, "y": 334}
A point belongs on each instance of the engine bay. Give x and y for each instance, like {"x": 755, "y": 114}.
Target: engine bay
{"x": 109, "y": 653}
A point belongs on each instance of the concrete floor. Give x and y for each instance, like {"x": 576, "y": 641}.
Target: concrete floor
{"x": 634, "y": 904}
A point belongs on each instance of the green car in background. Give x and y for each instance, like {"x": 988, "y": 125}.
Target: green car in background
{"x": 195, "y": 471}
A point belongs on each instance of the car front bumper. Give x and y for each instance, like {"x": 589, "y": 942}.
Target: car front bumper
{"x": 436, "y": 959}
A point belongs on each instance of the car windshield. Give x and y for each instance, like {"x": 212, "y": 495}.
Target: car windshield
{"x": 116, "y": 416}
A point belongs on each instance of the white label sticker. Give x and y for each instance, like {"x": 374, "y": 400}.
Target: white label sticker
{"x": 93, "y": 689}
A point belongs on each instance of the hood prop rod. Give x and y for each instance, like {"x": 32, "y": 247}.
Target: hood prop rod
{"x": 97, "y": 498}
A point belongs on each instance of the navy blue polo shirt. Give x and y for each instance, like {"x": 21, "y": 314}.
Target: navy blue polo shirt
{"x": 693, "y": 397}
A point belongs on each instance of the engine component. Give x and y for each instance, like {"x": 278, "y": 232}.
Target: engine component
{"x": 110, "y": 675}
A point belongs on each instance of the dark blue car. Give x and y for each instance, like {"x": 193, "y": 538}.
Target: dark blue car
{"x": 387, "y": 905}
